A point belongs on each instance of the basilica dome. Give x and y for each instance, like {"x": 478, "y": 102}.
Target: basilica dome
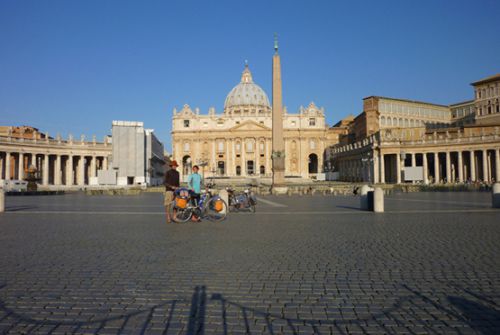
{"x": 246, "y": 93}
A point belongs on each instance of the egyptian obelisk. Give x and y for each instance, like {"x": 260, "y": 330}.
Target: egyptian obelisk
{"x": 278, "y": 143}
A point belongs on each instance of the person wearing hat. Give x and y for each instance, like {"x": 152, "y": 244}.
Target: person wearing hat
{"x": 171, "y": 182}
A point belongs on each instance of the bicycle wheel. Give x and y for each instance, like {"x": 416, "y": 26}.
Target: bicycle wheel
{"x": 180, "y": 215}
{"x": 216, "y": 209}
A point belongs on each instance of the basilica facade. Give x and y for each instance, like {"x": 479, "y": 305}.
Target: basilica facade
{"x": 237, "y": 142}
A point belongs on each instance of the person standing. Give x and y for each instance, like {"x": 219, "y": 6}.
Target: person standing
{"x": 194, "y": 183}
{"x": 171, "y": 182}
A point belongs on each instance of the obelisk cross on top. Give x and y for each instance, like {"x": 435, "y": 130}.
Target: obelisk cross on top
{"x": 278, "y": 143}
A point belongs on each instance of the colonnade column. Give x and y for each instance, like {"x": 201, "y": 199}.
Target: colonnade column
{"x": 1, "y": 166}
{"x": 448, "y": 167}
{"x": 20, "y": 167}
{"x": 45, "y": 172}
{"x": 436, "y": 168}
{"x": 81, "y": 171}
{"x": 460, "y": 168}
{"x": 424, "y": 163}
{"x": 413, "y": 160}
{"x": 105, "y": 163}
{"x": 497, "y": 165}
{"x": 485, "y": 166}
{"x": 93, "y": 167}
{"x": 7, "y": 165}
{"x": 376, "y": 172}
{"x": 382, "y": 168}
{"x": 472, "y": 166}
{"x": 57, "y": 171}
{"x": 398, "y": 168}
{"x": 69, "y": 171}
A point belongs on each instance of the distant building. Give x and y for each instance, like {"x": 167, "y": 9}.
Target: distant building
{"x": 486, "y": 103}
{"x": 237, "y": 142}
{"x": 27, "y": 132}
{"x": 131, "y": 156}
{"x": 60, "y": 163}
{"x": 137, "y": 155}
{"x": 397, "y": 140}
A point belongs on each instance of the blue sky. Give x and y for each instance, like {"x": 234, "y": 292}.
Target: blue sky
{"x": 74, "y": 66}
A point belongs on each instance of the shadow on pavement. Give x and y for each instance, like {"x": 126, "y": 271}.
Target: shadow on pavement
{"x": 401, "y": 314}
{"x": 478, "y": 316}
{"x": 19, "y": 208}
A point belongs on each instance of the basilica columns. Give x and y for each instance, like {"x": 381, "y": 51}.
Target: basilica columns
{"x": 214, "y": 156}
{"x": 243, "y": 159}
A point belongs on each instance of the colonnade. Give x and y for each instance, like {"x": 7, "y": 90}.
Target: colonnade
{"x": 441, "y": 166}
{"x": 52, "y": 169}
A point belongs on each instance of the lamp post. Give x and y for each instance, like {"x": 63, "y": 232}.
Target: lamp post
{"x": 367, "y": 161}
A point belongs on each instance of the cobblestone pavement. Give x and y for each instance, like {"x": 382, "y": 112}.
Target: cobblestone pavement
{"x": 300, "y": 265}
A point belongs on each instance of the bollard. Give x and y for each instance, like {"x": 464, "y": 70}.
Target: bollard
{"x": 369, "y": 201}
{"x": 2, "y": 200}
{"x": 363, "y": 199}
{"x": 378, "y": 200}
{"x": 495, "y": 195}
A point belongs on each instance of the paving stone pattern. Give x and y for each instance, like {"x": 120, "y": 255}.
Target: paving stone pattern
{"x": 430, "y": 268}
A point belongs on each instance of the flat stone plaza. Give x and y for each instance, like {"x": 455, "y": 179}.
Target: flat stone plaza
{"x": 301, "y": 265}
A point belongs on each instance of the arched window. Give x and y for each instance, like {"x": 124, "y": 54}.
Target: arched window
{"x": 382, "y": 120}
{"x": 262, "y": 170}
{"x": 238, "y": 170}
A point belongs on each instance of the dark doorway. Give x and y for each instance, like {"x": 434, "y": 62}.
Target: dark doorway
{"x": 313, "y": 163}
